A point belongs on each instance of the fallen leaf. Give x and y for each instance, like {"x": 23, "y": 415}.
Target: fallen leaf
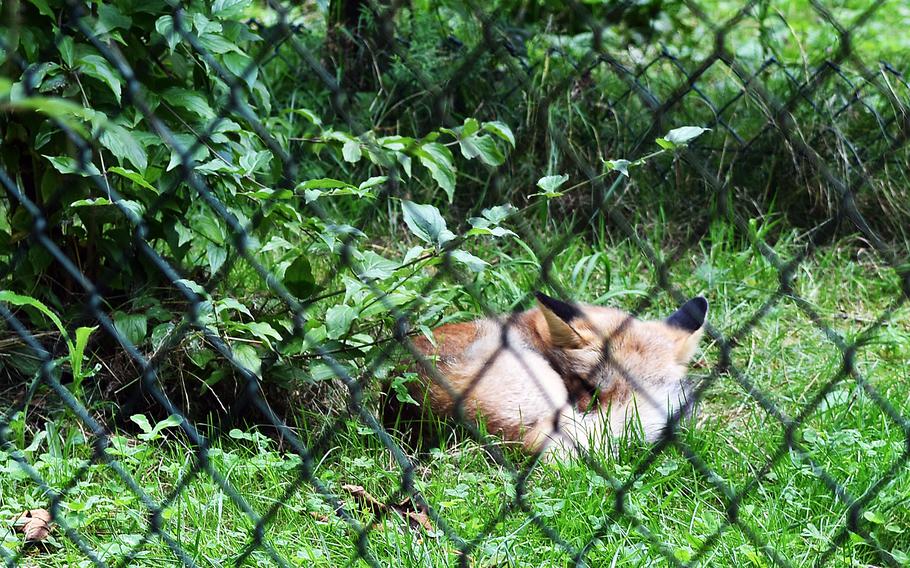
{"x": 319, "y": 517}
{"x": 376, "y": 506}
{"x": 35, "y": 524}
{"x": 416, "y": 514}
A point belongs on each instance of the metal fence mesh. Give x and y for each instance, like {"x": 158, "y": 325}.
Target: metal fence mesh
{"x": 642, "y": 109}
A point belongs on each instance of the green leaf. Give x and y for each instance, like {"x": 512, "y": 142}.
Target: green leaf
{"x": 110, "y": 18}
{"x": 218, "y": 166}
{"x": 61, "y": 109}
{"x": 316, "y": 188}
{"x": 78, "y": 352}
{"x": 43, "y": 8}
{"x": 309, "y": 115}
{"x": 405, "y": 161}
{"x": 186, "y": 142}
{"x": 338, "y": 320}
{"x": 874, "y": 517}
{"x": 171, "y": 421}
{"x": 267, "y": 193}
{"x": 192, "y": 286}
{"x": 188, "y": 100}
{"x": 218, "y": 44}
{"x": 426, "y": 222}
{"x": 165, "y": 26}
{"x": 66, "y": 47}
{"x": 483, "y": 147}
{"x": 487, "y": 224}
{"x": 397, "y": 143}
{"x": 399, "y": 385}
{"x": 134, "y": 207}
{"x": 550, "y": 185}
{"x": 621, "y": 166}
{"x": 253, "y": 161}
{"x": 470, "y": 127}
{"x": 374, "y": 266}
{"x": 492, "y": 231}
{"x": 242, "y": 66}
{"x": 498, "y": 213}
{"x": 469, "y": 260}
{"x": 248, "y": 436}
{"x": 413, "y": 253}
{"x": 141, "y": 421}
{"x": 21, "y": 300}
{"x": 438, "y": 160}
{"x": 216, "y": 256}
{"x": 160, "y": 333}
{"x": 67, "y": 165}
{"x": 322, "y": 372}
{"x": 36, "y": 442}
{"x": 232, "y": 304}
{"x": 665, "y": 144}
{"x": 204, "y": 25}
{"x": 299, "y": 279}
{"x": 351, "y": 151}
{"x": 133, "y": 177}
{"x": 98, "y": 67}
{"x": 475, "y": 145}
{"x": 373, "y": 182}
{"x": 264, "y": 331}
{"x": 150, "y": 432}
{"x": 323, "y": 183}
{"x": 247, "y": 357}
{"x": 124, "y": 145}
{"x": 230, "y": 9}
{"x": 205, "y": 223}
{"x": 133, "y": 327}
{"x": 500, "y": 129}
{"x": 684, "y": 134}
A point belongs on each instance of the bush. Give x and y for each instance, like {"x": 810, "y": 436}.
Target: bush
{"x": 229, "y": 188}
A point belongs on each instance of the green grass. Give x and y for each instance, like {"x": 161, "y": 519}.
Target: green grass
{"x": 670, "y": 506}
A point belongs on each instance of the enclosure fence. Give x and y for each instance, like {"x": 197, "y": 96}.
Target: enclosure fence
{"x": 844, "y": 73}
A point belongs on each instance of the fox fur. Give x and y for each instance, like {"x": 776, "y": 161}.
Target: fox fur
{"x": 561, "y": 376}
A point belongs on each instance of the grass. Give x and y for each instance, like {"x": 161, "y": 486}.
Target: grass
{"x": 787, "y": 509}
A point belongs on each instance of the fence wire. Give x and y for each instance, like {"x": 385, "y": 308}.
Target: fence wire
{"x": 642, "y": 107}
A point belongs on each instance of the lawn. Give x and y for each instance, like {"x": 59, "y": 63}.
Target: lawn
{"x": 785, "y": 506}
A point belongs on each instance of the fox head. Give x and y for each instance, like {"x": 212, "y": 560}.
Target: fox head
{"x": 621, "y": 359}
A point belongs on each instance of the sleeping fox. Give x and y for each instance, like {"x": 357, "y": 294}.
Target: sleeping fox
{"x": 561, "y": 376}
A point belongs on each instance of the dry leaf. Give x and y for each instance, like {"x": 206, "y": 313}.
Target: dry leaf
{"x": 376, "y": 506}
{"x": 35, "y": 524}
{"x": 319, "y": 517}
{"x": 417, "y": 515}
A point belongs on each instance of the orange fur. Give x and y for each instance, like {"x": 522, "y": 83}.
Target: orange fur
{"x": 560, "y": 376}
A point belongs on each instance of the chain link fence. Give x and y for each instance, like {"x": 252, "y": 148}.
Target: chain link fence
{"x": 755, "y": 105}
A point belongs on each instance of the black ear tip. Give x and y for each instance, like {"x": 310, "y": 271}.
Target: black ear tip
{"x": 564, "y": 310}
{"x": 691, "y": 316}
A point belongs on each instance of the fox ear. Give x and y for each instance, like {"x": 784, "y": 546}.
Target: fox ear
{"x": 691, "y": 316}
{"x": 559, "y": 316}
{"x": 689, "y": 323}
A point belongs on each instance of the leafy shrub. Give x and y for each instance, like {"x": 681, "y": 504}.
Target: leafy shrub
{"x": 193, "y": 166}
{"x": 212, "y": 139}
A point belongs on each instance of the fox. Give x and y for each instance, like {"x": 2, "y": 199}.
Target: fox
{"x": 561, "y": 376}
